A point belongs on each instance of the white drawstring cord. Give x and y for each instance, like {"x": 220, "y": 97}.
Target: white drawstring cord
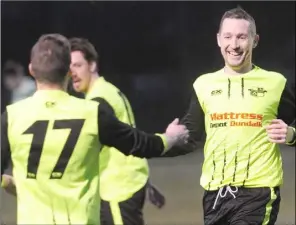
{"x": 228, "y": 189}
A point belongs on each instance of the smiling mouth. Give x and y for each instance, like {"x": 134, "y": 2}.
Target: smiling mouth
{"x": 234, "y": 53}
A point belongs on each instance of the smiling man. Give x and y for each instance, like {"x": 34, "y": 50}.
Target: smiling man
{"x": 245, "y": 111}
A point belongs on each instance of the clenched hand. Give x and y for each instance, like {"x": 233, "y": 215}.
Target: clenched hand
{"x": 279, "y": 132}
{"x": 176, "y": 133}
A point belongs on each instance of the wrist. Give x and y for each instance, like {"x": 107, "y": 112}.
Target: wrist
{"x": 291, "y": 136}
{"x": 166, "y": 140}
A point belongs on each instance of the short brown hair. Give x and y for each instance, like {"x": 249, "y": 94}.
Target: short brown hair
{"x": 86, "y": 48}
{"x": 239, "y": 13}
{"x": 51, "y": 58}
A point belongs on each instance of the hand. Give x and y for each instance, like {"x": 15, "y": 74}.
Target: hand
{"x": 8, "y": 184}
{"x": 177, "y": 133}
{"x": 155, "y": 196}
{"x": 277, "y": 131}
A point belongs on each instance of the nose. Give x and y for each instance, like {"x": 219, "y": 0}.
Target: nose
{"x": 71, "y": 72}
{"x": 234, "y": 43}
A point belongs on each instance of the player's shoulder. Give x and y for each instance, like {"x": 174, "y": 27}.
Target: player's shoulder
{"x": 21, "y": 104}
{"x": 106, "y": 84}
{"x": 269, "y": 74}
{"x": 82, "y": 104}
{"x": 103, "y": 89}
{"x": 205, "y": 78}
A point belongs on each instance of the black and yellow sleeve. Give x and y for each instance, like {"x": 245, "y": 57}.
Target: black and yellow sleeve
{"x": 128, "y": 140}
{"x": 286, "y": 111}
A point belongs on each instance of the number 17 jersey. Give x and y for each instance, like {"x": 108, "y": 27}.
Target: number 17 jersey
{"x": 54, "y": 149}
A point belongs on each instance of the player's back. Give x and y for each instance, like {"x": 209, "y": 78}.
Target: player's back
{"x": 55, "y": 150}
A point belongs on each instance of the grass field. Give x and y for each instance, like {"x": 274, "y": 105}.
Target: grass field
{"x": 178, "y": 178}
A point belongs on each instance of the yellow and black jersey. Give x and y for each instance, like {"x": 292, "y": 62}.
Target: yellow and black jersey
{"x": 234, "y": 111}
{"x": 54, "y": 141}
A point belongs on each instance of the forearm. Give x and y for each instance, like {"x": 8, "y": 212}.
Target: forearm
{"x": 129, "y": 140}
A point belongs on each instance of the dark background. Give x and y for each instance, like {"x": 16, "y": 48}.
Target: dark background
{"x": 153, "y": 51}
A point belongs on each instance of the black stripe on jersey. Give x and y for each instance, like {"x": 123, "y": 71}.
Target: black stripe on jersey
{"x": 52, "y": 212}
{"x": 229, "y": 87}
{"x": 248, "y": 167}
{"x": 235, "y": 163}
{"x": 243, "y": 87}
{"x": 223, "y": 169}
{"x": 214, "y": 165}
{"x": 68, "y": 213}
{"x": 247, "y": 172}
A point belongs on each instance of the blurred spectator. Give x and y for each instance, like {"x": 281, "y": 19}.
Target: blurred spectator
{"x": 17, "y": 82}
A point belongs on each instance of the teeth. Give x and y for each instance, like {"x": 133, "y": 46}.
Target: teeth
{"x": 234, "y": 54}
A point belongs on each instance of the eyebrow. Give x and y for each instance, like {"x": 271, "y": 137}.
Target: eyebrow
{"x": 239, "y": 34}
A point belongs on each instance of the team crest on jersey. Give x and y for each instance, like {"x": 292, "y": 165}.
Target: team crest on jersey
{"x": 50, "y": 104}
{"x": 216, "y": 92}
{"x": 257, "y": 91}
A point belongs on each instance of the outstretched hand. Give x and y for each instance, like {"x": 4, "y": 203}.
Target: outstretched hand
{"x": 177, "y": 133}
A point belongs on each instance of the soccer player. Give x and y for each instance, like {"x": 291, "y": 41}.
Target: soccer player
{"x": 54, "y": 142}
{"x": 244, "y": 110}
{"x": 124, "y": 179}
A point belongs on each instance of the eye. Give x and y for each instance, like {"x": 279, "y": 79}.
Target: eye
{"x": 227, "y": 37}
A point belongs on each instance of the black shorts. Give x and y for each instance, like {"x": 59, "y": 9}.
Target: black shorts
{"x": 129, "y": 212}
{"x": 250, "y": 206}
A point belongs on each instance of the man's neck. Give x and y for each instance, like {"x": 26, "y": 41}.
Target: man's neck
{"x": 239, "y": 71}
{"x": 49, "y": 87}
{"x": 94, "y": 77}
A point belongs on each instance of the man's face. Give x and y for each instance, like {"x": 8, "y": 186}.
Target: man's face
{"x": 236, "y": 42}
{"x": 80, "y": 72}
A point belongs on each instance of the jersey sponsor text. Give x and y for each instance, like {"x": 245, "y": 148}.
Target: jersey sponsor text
{"x": 236, "y": 119}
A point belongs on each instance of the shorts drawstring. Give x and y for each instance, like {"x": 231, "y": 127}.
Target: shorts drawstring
{"x": 228, "y": 189}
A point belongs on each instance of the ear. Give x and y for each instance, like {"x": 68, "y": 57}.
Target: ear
{"x": 93, "y": 67}
{"x": 31, "y": 70}
{"x": 218, "y": 40}
{"x": 256, "y": 41}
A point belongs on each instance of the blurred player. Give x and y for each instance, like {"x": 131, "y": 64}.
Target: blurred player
{"x": 124, "y": 179}
{"x": 16, "y": 82}
{"x": 54, "y": 142}
{"x": 244, "y": 110}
